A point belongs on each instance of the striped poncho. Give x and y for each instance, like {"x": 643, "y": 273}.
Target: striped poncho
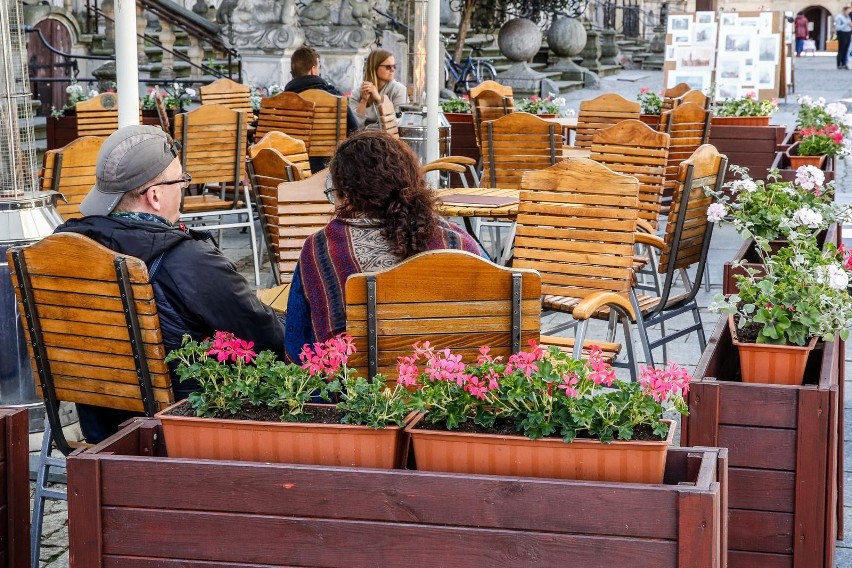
{"x": 316, "y": 308}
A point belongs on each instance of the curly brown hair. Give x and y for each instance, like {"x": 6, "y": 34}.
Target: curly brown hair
{"x": 378, "y": 176}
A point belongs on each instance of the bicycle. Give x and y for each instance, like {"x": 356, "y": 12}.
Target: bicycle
{"x": 470, "y": 72}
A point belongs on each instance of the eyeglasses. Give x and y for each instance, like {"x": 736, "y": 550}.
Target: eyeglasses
{"x": 389, "y": 67}
{"x": 329, "y": 190}
{"x": 185, "y": 180}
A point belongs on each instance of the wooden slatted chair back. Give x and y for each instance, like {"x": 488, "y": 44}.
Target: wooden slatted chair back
{"x": 516, "y": 143}
{"x": 162, "y": 114}
{"x": 670, "y": 94}
{"x": 329, "y": 126}
{"x": 688, "y": 230}
{"x": 488, "y": 105}
{"x": 602, "y": 112}
{"x": 387, "y": 117}
{"x": 212, "y": 139}
{"x": 98, "y": 116}
{"x": 688, "y": 126}
{"x": 452, "y": 299}
{"x": 692, "y": 96}
{"x": 70, "y": 170}
{"x": 576, "y": 227}
{"x": 504, "y": 90}
{"x": 93, "y": 332}
{"x": 633, "y": 148}
{"x": 292, "y": 149}
{"x": 288, "y": 113}
{"x": 227, "y": 93}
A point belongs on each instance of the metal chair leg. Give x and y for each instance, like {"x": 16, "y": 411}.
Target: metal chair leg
{"x": 42, "y": 493}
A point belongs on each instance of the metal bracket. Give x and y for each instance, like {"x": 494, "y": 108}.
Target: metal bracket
{"x": 136, "y": 344}
{"x": 372, "y": 328}
{"x": 491, "y": 173}
{"x": 516, "y": 311}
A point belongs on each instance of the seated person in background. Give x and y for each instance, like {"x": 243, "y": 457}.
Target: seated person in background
{"x": 304, "y": 67}
{"x": 378, "y": 81}
{"x": 134, "y": 209}
{"x": 384, "y": 213}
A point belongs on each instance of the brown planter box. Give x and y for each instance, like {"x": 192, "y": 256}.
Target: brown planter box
{"x": 748, "y": 253}
{"x": 785, "y": 445}
{"x": 60, "y": 131}
{"x": 462, "y": 136}
{"x": 14, "y": 488}
{"x": 782, "y": 163}
{"x": 752, "y": 147}
{"x": 131, "y": 506}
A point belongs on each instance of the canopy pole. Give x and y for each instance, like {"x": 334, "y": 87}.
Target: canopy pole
{"x": 433, "y": 77}
{"x": 126, "y": 70}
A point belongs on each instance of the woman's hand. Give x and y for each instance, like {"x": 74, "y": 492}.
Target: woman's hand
{"x": 370, "y": 92}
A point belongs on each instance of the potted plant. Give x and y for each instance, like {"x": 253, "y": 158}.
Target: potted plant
{"x": 780, "y": 312}
{"x": 540, "y": 414}
{"x": 651, "y": 106}
{"x": 252, "y": 407}
{"x": 816, "y": 113}
{"x": 62, "y": 126}
{"x": 747, "y": 110}
{"x": 462, "y": 135}
{"x": 547, "y": 107}
{"x": 815, "y": 144}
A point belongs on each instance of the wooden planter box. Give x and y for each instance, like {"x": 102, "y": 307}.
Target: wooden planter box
{"x": 831, "y": 45}
{"x": 130, "y": 506}
{"x": 462, "y": 136}
{"x": 782, "y": 162}
{"x": 60, "y": 131}
{"x": 752, "y": 147}
{"x": 748, "y": 253}
{"x": 14, "y": 489}
{"x": 785, "y": 444}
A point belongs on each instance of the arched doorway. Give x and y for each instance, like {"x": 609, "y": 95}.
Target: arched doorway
{"x": 819, "y": 19}
{"x": 44, "y": 64}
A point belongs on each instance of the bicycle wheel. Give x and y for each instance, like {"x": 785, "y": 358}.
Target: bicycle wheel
{"x": 487, "y": 72}
{"x": 468, "y": 79}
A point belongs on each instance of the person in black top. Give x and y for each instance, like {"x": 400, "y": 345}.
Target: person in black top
{"x": 304, "y": 67}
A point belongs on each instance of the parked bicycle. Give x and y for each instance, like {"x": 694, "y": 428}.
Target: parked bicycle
{"x": 470, "y": 72}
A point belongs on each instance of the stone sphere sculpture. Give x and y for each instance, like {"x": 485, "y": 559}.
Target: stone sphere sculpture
{"x": 566, "y": 37}
{"x": 519, "y": 39}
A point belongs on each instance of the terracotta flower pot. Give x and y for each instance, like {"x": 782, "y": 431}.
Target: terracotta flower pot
{"x": 771, "y": 364}
{"x": 492, "y": 454}
{"x": 305, "y": 443}
{"x": 740, "y": 120}
{"x": 796, "y": 161}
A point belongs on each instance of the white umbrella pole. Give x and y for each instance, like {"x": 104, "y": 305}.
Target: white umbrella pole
{"x": 433, "y": 76}
{"x": 127, "y": 73}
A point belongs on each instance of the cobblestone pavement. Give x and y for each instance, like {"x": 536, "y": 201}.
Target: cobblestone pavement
{"x": 815, "y": 76}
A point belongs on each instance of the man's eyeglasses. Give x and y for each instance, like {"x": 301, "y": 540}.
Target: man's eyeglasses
{"x": 389, "y": 67}
{"x": 185, "y": 180}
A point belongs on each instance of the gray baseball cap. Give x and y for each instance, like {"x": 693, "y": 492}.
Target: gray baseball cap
{"x": 128, "y": 159}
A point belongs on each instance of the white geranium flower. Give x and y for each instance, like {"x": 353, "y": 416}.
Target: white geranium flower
{"x": 807, "y": 217}
{"x": 836, "y": 110}
{"x": 837, "y": 277}
{"x": 93, "y": 93}
{"x": 190, "y": 92}
{"x": 809, "y": 177}
{"x": 744, "y": 185}
{"x": 805, "y": 100}
{"x": 716, "y": 212}
{"x": 820, "y": 102}
{"x": 74, "y": 88}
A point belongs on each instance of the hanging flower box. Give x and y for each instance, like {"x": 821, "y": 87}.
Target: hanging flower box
{"x": 214, "y": 512}
{"x": 785, "y": 445}
{"x": 14, "y": 488}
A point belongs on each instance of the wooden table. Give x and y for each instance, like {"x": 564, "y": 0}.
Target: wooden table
{"x": 568, "y": 125}
{"x": 470, "y": 212}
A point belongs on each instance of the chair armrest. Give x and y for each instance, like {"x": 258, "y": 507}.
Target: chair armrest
{"x": 463, "y": 160}
{"x": 595, "y": 301}
{"x": 645, "y": 226}
{"x": 443, "y": 166}
{"x": 649, "y": 239}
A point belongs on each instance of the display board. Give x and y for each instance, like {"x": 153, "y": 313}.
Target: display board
{"x": 730, "y": 53}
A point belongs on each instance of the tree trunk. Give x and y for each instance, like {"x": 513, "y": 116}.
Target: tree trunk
{"x": 464, "y": 25}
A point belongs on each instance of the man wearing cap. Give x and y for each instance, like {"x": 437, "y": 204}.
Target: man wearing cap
{"x": 134, "y": 209}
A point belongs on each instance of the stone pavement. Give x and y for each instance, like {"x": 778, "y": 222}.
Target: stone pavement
{"x": 815, "y": 76}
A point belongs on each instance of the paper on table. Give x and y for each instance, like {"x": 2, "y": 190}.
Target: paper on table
{"x": 463, "y": 200}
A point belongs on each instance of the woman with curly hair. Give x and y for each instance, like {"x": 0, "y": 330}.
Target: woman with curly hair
{"x": 384, "y": 213}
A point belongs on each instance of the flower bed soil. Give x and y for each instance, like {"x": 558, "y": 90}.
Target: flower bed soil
{"x": 132, "y": 506}
{"x": 507, "y": 428}
{"x": 319, "y": 414}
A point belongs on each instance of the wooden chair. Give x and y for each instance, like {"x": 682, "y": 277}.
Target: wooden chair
{"x": 93, "y": 336}
{"x": 212, "y": 139}
{"x": 462, "y": 167}
{"x": 692, "y": 96}
{"x": 452, "y": 299}
{"x": 504, "y": 90}
{"x": 686, "y": 244}
{"x": 227, "y": 93}
{"x": 70, "y": 170}
{"x": 329, "y": 123}
{"x": 688, "y": 126}
{"x": 576, "y": 226}
{"x": 488, "y": 105}
{"x": 292, "y": 149}
{"x": 288, "y": 113}
{"x": 516, "y": 143}
{"x": 672, "y": 93}
{"x": 98, "y": 116}
{"x": 387, "y": 117}
{"x": 602, "y": 112}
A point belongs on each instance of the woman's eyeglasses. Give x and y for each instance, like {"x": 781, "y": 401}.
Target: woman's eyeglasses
{"x": 389, "y": 67}
{"x": 185, "y": 180}
{"x": 329, "y": 190}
